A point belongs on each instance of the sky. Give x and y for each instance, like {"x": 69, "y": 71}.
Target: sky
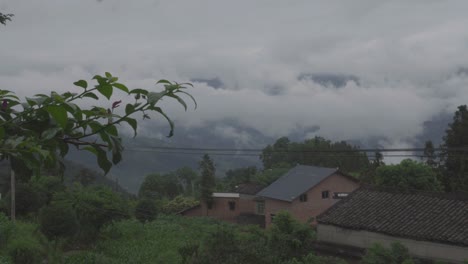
{"x": 354, "y": 69}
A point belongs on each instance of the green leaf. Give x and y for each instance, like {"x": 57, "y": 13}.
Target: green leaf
{"x": 91, "y": 95}
{"x": 153, "y": 97}
{"x": 105, "y": 90}
{"x": 129, "y": 109}
{"x": 50, "y": 133}
{"x": 133, "y": 123}
{"x": 58, "y": 114}
{"x": 2, "y": 132}
{"x": 181, "y": 101}
{"x": 111, "y": 130}
{"x": 95, "y": 126}
{"x": 81, "y": 83}
{"x": 91, "y": 149}
{"x": 120, "y": 87}
{"x": 139, "y": 91}
{"x": 163, "y": 81}
{"x": 193, "y": 99}
{"x": 102, "y": 160}
{"x": 108, "y": 75}
{"x": 171, "y": 124}
{"x": 117, "y": 150}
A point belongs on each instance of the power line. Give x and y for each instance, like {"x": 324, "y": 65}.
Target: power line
{"x": 326, "y": 154}
{"x": 459, "y": 149}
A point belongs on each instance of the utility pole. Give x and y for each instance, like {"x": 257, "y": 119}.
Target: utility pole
{"x": 13, "y": 196}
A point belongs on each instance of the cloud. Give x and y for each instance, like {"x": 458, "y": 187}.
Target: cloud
{"x": 393, "y": 74}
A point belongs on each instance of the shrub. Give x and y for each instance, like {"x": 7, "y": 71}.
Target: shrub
{"x": 145, "y": 210}
{"x": 6, "y": 229}
{"x": 289, "y": 238}
{"x": 24, "y": 250}
{"x": 397, "y": 254}
{"x": 58, "y": 220}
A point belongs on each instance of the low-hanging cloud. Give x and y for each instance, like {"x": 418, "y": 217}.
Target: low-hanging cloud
{"x": 403, "y": 61}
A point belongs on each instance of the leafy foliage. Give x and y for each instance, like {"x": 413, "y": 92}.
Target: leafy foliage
{"x": 178, "y": 204}
{"x": 396, "y": 254}
{"x": 146, "y": 210}
{"x": 157, "y": 186}
{"x": 37, "y": 132}
{"x": 208, "y": 180}
{"x": 5, "y": 17}
{"x": 456, "y": 162}
{"x": 317, "y": 151}
{"x": 58, "y": 220}
{"x": 408, "y": 175}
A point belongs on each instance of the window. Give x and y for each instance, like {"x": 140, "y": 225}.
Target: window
{"x": 303, "y": 197}
{"x": 232, "y": 205}
{"x": 325, "y": 194}
{"x": 261, "y": 207}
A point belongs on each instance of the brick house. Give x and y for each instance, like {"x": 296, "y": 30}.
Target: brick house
{"x": 430, "y": 225}
{"x": 305, "y": 192}
{"x": 235, "y": 207}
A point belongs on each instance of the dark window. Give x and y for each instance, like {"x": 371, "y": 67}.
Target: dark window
{"x": 232, "y": 205}
{"x": 261, "y": 207}
{"x": 303, "y": 197}
{"x": 209, "y": 205}
{"x": 325, "y": 194}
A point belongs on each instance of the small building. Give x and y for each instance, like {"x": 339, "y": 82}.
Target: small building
{"x": 238, "y": 206}
{"x": 431, "y": 225}
{"x": 305, "y": 192}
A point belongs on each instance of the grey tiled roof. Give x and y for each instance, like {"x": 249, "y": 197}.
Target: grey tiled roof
{"x": 295, "y": 182}
{"x": 420, "y": 216}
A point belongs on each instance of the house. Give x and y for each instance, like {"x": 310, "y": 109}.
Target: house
{"x": 305, "y": 192}
{"x": 237, "y": 206}
{"x": 430, "y": 225}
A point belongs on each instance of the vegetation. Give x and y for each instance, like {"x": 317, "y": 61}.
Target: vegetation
{"x": 317, "y": 151}
{"x": 455, "y": 163}
{"x": 208, "y": 180}
{"x": 408, "y": 175}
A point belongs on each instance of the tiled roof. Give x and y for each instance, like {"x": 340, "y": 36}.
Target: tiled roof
{"x": 415, "y": 215}
{"x": 296, "y": 182}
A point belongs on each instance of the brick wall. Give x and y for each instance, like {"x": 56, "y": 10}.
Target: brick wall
{"x": 315, "y": 204}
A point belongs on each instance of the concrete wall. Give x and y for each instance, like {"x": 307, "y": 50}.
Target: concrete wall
{"x": 315, "y": 204}
{"x": 365, "y": 239}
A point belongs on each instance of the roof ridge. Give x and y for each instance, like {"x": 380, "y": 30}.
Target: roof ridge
{"x": 457, "y": 195}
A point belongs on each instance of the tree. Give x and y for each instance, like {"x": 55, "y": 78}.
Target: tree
{"x": 187, "y": 179}
{"x": 241, "y": 175}
{"x": 429, "y": 155}
{"x": 85, "y": 176}
{"x": 58, "y": 220}
{"x": 37, "y": 132}
{"x": 146, "y": 210}
{"x": 158, "y": 186}
{"x": 5, "y": 17}
{"x": 208, "y": 180}
{"x": 408, "y": 175}
{"x": 455, "y": 163}
{"x": 317, "y": 151}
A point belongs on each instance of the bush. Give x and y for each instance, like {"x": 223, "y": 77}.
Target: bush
{"x": 58, "y": 220}
{"x": 397, "y": 254}
{"x": 145, "y": 210}
{"x": 24, "y": 250}
{"x": 28, "y": 199}
{"x": 6, "y": 229}
{"x": 290, "y": 238}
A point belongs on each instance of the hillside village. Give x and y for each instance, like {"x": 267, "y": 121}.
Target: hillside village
{"x": 242, "y": 132}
